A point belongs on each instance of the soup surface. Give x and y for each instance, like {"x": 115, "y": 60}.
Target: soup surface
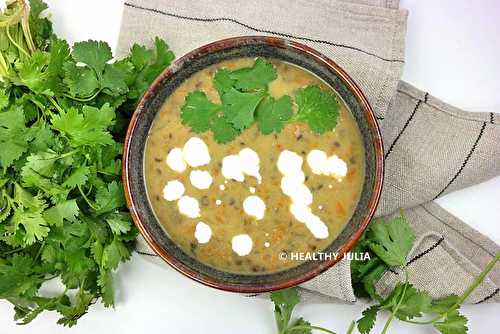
{"x": 249, "y": 226}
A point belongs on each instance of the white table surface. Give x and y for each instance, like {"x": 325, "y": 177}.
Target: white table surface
{"x": 453, "y": 51}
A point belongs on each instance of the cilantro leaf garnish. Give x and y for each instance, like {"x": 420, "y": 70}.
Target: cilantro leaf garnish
{"x": 198, "y": 112}
{"x": 272, "y": 114}
{"x": 318, "y": 108}
{"x": 222, "y": 130}
{"x": 223, "y": 81}
{"x": 246, "y": 100}
{"x": 256, "y": 77}
{"x": 239, "y": 108}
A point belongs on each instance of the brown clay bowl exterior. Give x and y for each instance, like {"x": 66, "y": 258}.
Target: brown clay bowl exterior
{"x": 165, "y": 84}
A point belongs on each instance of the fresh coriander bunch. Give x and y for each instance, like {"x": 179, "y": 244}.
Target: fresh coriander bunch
{"x": 388, "y": 243}
{"x": 63, "y": 113}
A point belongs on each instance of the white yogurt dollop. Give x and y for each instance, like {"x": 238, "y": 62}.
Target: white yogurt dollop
{"x": 196, "y": 152}
{"x": 242, "y": 244}
{"x": 296, "y": 190}
{"x": 189, "y": 206}
{"x": 254, "y": 206}
{"x": 317, "y": 159}
{"x": 303, "y": 214}
{"x": 292, "y": 185}
{"x": 175, "y": 160}
{"x": 231, "y": 168}
{"x": 336, "y": 167}
{"x": 250, "y": 162}
{"x": 289, "y": 162}
{"x": 173, "y": 190}
{"x": 200, "y": 179}
{"x": 236, "y": 166}
{"x": 321, "y": 164}
{"x": 203, "y": 233}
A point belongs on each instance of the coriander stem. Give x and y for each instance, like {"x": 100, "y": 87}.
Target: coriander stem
{"x": 83, "y": 99}
{"x": 7, "y": 32}
{"x": 395, "y": 310}
{"x": 54, "y": 103}
{"x": 39, "y": 250}
{"x": 25, "y": 25}
{"x": 86, "y": 198}
{"x": 351, "y": 327}
{"x": 477, "y": 281}
{"x": 104, "y": 173}
{"x": 67, "y": 154}
{"x": 12, "y": 251}
{"x": 293, "y": 328}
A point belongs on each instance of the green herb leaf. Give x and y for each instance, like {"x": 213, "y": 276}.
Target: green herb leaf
{"x": 58, "y": 213}
{"x": 223, "y": 131}
{"x": 285, "y": 299}
{"x": 62, "y": 123}
{"x": 94, "y": 54}
{"x": 105, "y": 282}
{"x": 114, "y": 253}
{"x": 272, "y": 114}
{"x": 391, "y": 241}
{"x": 414, "y": 303}
{"x": 198, "y": 112}
{"x": 120, "y": 223}
{"x": 140, "y": 56}
{"x": 223, "y": 81}
{"x": 35, "y": 227}
{"x": 71, "y": 314}
{"x": 14, "y": 136}
{"x": 239, "y": 108}
{"x": 284, "y": 303}
{"x": 110, "y": 198}
{"x": 305, "y": 327}
{"x": 454, "y": 323}
{"x": 78, "y": 177}
{"x": 256, "y": 77}
{"x": 81, "y": 81}
{"x": 113, "y": 80}
{"x": 366, "y": 323}
{"x": 88, "y": 127}
{"x": 162, "y": 59}
{"x": 444, "y": 304}
{"x": 318, "y": 108}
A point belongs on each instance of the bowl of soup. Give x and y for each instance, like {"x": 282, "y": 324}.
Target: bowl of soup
{"x": 253, "y": 164}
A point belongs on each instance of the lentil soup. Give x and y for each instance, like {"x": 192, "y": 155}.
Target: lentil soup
{"x": 248, "y": 224}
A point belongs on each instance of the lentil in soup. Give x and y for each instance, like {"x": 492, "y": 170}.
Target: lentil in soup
{"x": 235, "y": 206}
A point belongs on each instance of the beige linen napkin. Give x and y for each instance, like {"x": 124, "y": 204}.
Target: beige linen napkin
{"x": 431, "y": 148}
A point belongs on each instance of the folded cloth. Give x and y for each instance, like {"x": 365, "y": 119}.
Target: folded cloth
{"x": 431, "y": 148}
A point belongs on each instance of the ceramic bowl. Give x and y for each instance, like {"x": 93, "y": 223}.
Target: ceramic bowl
{"x": 169, "y": 80}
